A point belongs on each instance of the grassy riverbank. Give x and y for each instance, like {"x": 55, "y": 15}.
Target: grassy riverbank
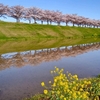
{"x": 10, "y": 30}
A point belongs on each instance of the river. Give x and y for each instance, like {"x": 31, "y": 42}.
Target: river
{"x": 21, "y": 72}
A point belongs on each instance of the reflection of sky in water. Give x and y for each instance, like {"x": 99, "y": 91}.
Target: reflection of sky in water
{"x": 20, "y": 82}
{"x": 10, "y": 55}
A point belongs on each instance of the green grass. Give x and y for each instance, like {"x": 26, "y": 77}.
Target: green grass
{"x": 12, "y": 31}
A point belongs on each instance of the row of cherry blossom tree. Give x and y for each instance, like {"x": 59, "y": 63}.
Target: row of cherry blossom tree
{"x": 19, "y": 12}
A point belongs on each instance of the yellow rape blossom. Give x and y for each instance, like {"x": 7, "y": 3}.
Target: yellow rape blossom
{"x": 58, "y": 92}
{"x": 57, "y": 69}
{"x": 45, "y": 91}
{"x": 42, "y": 84}
{"x": 68, "y": 87}
{"x": 61, "y": 96}
{"x": 65, "y": 99}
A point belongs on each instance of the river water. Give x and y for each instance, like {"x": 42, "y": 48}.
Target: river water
{"x": 22, "y": 72}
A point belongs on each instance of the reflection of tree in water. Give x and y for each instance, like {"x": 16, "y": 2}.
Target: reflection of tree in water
{"x": 17, "y": 60}
{"x": 45, "y": 55}
{"x": 3, "y": 63}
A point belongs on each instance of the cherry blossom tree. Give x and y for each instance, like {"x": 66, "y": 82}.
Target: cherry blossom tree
{"x": 16, "y": 12}
{"x": 88, "y": 22}
{"x": 74, "y": 19}
{"x": 98, "y": 23}
{"x": 79, "y": 20}
{"x": 28, "y": 14}
{"x": 58, "y": 17}
{"x": 48, "y": 16}
{"x": 54, "y": 16}
{"x": 82, "y": 21}
{"x": 94, "y": 23}
{"x": 35, "y": 13}
{"x": 67, "y": 18}
{"x": 3, "y": 10}
{"x": 42, "y": 16}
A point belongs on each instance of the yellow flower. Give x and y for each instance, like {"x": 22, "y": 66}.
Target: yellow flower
{"x": 85, "y": 82}
{"x": 58, "y": 92}
{"x": 87, "y": 93}
{"x": 65, "y": 99}
{"x": 55, "y": 80}
{"x": 76, "y": 78}
{"x": 65, "y": 90}
{"x": 84, "y": 95}
{"x": 82, "y": 86}
{"x": 81, "y": 89}
{"x": 74, "y": 94}
{"x": 78, "y": 93}
{"x": 45, "y": 91}
{"x": 57, "y": 69}
{"x": 52, "y": 92}
{"x": 54, "y": 85}
{"x": 61, "y": 96}
{"x": 68, "y": 90}
{"x": 66, "y": 86}
{"x": 61, "y": 83}
{"x": 89, "y": 82}
{"x": 62, "y": 70}
{"x": 42, "y": 84}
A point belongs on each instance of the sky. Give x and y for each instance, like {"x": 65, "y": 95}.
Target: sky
{"x": 87, "y": 8}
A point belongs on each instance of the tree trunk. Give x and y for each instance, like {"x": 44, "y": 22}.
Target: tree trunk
{"x": 78, "y": 25}
{"x": 50, "y": 22}
{"x": 17, "y": 20}
{"x": 47, "y": 22}
{"x": 73, "y": 24}
{"x": 29, "y": 21}
{"x": 42, "y": 22}
{"x": 34, "y": 21}
{"x": 66, "y": 23}
{"x": 58, "y": 23}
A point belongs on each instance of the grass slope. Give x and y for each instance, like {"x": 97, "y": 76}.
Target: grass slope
{"x": 9, "y": 30}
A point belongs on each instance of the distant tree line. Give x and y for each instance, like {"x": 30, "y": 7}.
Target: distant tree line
{"x": 19, "y": 12}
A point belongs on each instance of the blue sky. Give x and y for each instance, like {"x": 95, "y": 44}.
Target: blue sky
{"x": 86, "y": 8}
